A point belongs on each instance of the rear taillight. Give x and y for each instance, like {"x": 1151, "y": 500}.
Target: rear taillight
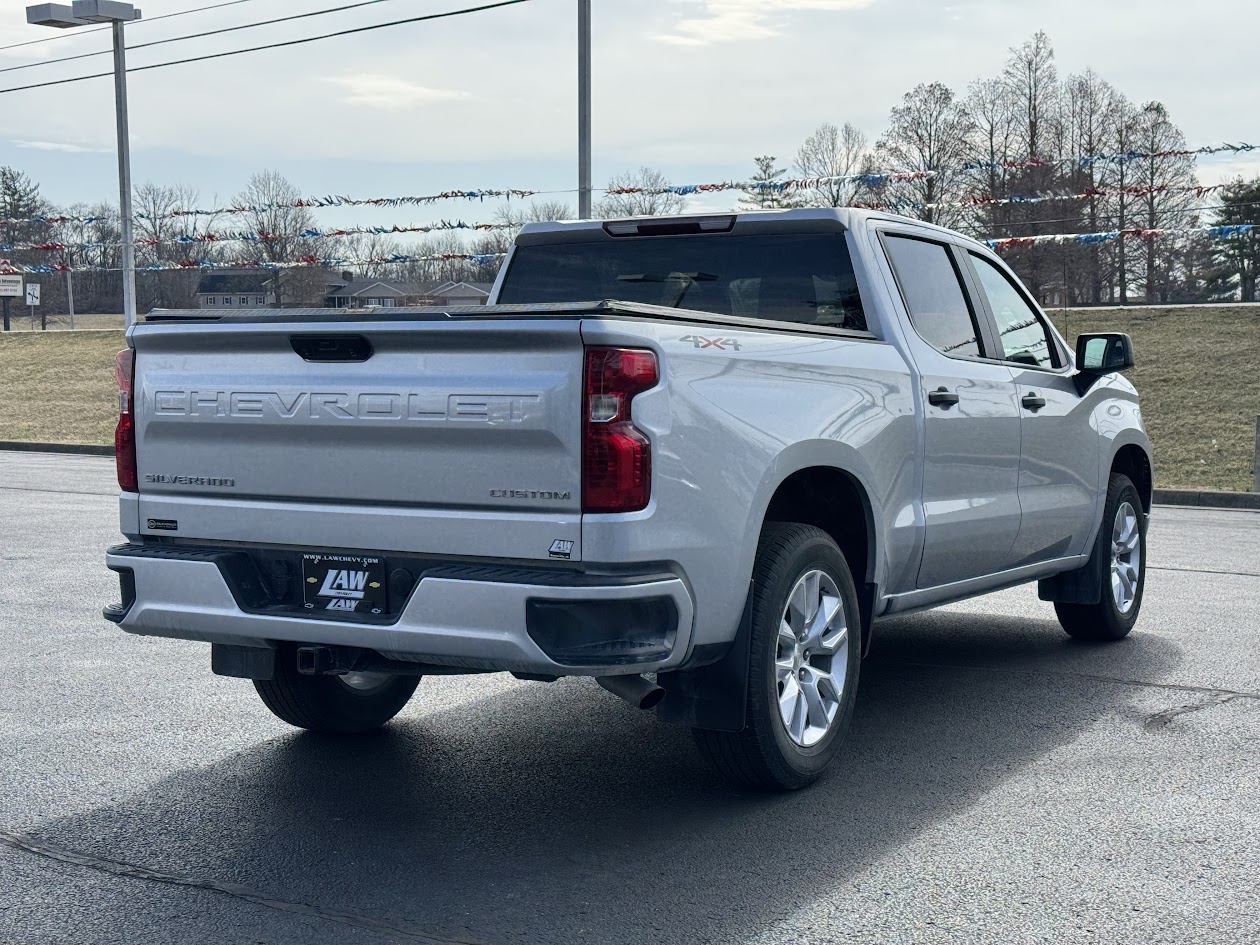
{"x": 616, "y": 455}
{"x": 125, "y": 433}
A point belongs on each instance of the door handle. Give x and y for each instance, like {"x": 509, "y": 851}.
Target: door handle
{"x": 943, "y": 398}
{"x": 1033, "y": 401}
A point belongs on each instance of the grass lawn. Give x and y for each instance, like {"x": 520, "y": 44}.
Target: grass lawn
{"x": 1195, "y": 374}
{"x": 59, "y": 386}
{"x": 23, "y": 322}
{"x": 1194, "y": 368}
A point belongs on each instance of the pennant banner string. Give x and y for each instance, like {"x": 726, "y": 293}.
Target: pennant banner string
{"x": 477, "y": 259}
{"x": 1212, "y": 232}
{"x": 485, "y": 259}
{"x": 787, "y": 185}
{"x": 263, "y": 236}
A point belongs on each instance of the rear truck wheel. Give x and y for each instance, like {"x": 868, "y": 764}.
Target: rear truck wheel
{"x": 805, "y": 651}
{"x": 341, "y": 705}
{"x": 1120, "y": 554}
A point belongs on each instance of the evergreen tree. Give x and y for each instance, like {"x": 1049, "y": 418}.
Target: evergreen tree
{"x": 1238, "y": 257}
{"x": 768, "y": 198}
{"x": 20, "y": 200}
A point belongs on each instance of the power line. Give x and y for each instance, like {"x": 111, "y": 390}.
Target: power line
{"x": 291, "y": 42}
{"x": 98, "y": 29}
{"x": 180, "y": 39}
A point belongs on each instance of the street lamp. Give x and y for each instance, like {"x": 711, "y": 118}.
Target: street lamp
{"x": 81, "y": 13}
{"x": 584, "y": 109}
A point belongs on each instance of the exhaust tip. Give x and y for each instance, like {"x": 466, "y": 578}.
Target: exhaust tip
{"x": 651, "y": 699}
{"x": 639, "y": 692}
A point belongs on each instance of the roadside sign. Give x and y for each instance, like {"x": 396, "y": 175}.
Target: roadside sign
{"x": 32, "y": 293}
{"x": 11, "y": 287}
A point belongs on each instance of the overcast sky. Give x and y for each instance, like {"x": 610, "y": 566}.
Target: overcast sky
{"x": 695, "y": 87}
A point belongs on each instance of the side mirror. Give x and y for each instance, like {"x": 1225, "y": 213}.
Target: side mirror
{"x": 1104, "y": 353}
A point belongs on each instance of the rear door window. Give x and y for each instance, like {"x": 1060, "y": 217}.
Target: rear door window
{"x": 932, "y": 289}
{"x": 804, "y": 278}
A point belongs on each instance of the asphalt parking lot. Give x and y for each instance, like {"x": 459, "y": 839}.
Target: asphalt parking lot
{"x": 1001, "y": 783}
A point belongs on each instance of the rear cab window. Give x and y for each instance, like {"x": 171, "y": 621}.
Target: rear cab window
{"x": 802, "y": 278}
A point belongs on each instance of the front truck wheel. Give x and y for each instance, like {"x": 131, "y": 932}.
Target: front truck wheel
{"x": 805, "y": 651}
{"x": 341, "y": 705}
{"x": 1120, "y": 557}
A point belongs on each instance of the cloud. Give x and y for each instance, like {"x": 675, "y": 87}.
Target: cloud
{"x": 384, "y": 91}
{"x": 724, "y": 21}
{"x": 63, "y": 146}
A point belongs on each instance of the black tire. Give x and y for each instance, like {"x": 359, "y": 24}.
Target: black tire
{"x": 1105, "y": 621}
{"x": 764, "y": 755}
{"x": 329, "y": 703}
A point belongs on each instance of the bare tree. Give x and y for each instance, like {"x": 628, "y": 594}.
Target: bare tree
{"x": 514, "y": 216}
{"x": 1163, "y": 200}
{"x": 834, "y": 152}
{"x": 1090, "y": 105}
{"x": 366, "y": 249}
{"x": 275, "y": 218}
{"x": 651, "y": 203}
{"x": 1031, "y": 76}
{"x": 93, "y": 238}
{"x": 991, "y": 115}
{"x": 158, "y": 233}
{"x": 929, "y": 131}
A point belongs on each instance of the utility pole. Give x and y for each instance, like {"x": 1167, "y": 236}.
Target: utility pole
{"x": 584, "y": 109}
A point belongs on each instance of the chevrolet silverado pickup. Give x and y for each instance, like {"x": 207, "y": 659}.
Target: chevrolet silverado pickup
{"x": 697, "y": 458}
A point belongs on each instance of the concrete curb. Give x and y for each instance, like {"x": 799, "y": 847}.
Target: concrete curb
{"x": 1208, "y": 499}
{"x": 81, "y": 448}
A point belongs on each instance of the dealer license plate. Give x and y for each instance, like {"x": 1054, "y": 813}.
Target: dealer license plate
{"x": 345, "y": 584}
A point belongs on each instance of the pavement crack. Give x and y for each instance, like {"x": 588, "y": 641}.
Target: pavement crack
{"x": 119, "y": 868}
{"x": 1161, "y": 720}
{"x": 1164, "y": 567}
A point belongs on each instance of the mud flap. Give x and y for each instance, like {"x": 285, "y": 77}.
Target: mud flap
{"x": 713, "y": 697}
{"x": 1082, "y": 586}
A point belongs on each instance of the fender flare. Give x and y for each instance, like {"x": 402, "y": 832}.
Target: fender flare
{"x": 714, "y": 696}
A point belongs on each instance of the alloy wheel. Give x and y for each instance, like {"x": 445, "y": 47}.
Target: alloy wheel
{"x": 811, "y": 658}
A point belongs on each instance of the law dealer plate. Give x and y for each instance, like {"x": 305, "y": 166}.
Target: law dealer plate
{"x": 347, "y": 584}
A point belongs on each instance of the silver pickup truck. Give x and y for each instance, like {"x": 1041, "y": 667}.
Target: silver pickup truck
{"x": 706, "y": 494}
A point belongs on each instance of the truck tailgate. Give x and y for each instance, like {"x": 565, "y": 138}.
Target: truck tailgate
{"x": 432, "y": 437}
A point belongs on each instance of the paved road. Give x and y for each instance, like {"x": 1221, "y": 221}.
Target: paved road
{"x": 1002, "y": 784}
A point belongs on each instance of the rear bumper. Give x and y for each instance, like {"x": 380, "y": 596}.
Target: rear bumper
{"x": 484, "y": 618}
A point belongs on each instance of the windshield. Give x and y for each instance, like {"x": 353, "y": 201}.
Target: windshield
{"x": 793, "y": 278}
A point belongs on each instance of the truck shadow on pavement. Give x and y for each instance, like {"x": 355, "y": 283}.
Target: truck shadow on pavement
{"x": 554, "y": 813}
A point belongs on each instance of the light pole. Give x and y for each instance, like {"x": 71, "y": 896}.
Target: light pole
{"x": 584, "y": 109}
{"x": 117, "y": 14}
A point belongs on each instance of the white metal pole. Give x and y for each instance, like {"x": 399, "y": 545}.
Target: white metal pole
{"x": 70, "y": 296}
{"x": 584, "y": 109}
{"x": 124, "y": 177}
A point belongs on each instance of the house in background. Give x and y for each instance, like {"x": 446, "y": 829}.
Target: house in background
{"x": 459, "y": 293}
{"x": 302, "y": 287}
{"x": 235, "y": 289}
{"x": 350, "y": 292}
